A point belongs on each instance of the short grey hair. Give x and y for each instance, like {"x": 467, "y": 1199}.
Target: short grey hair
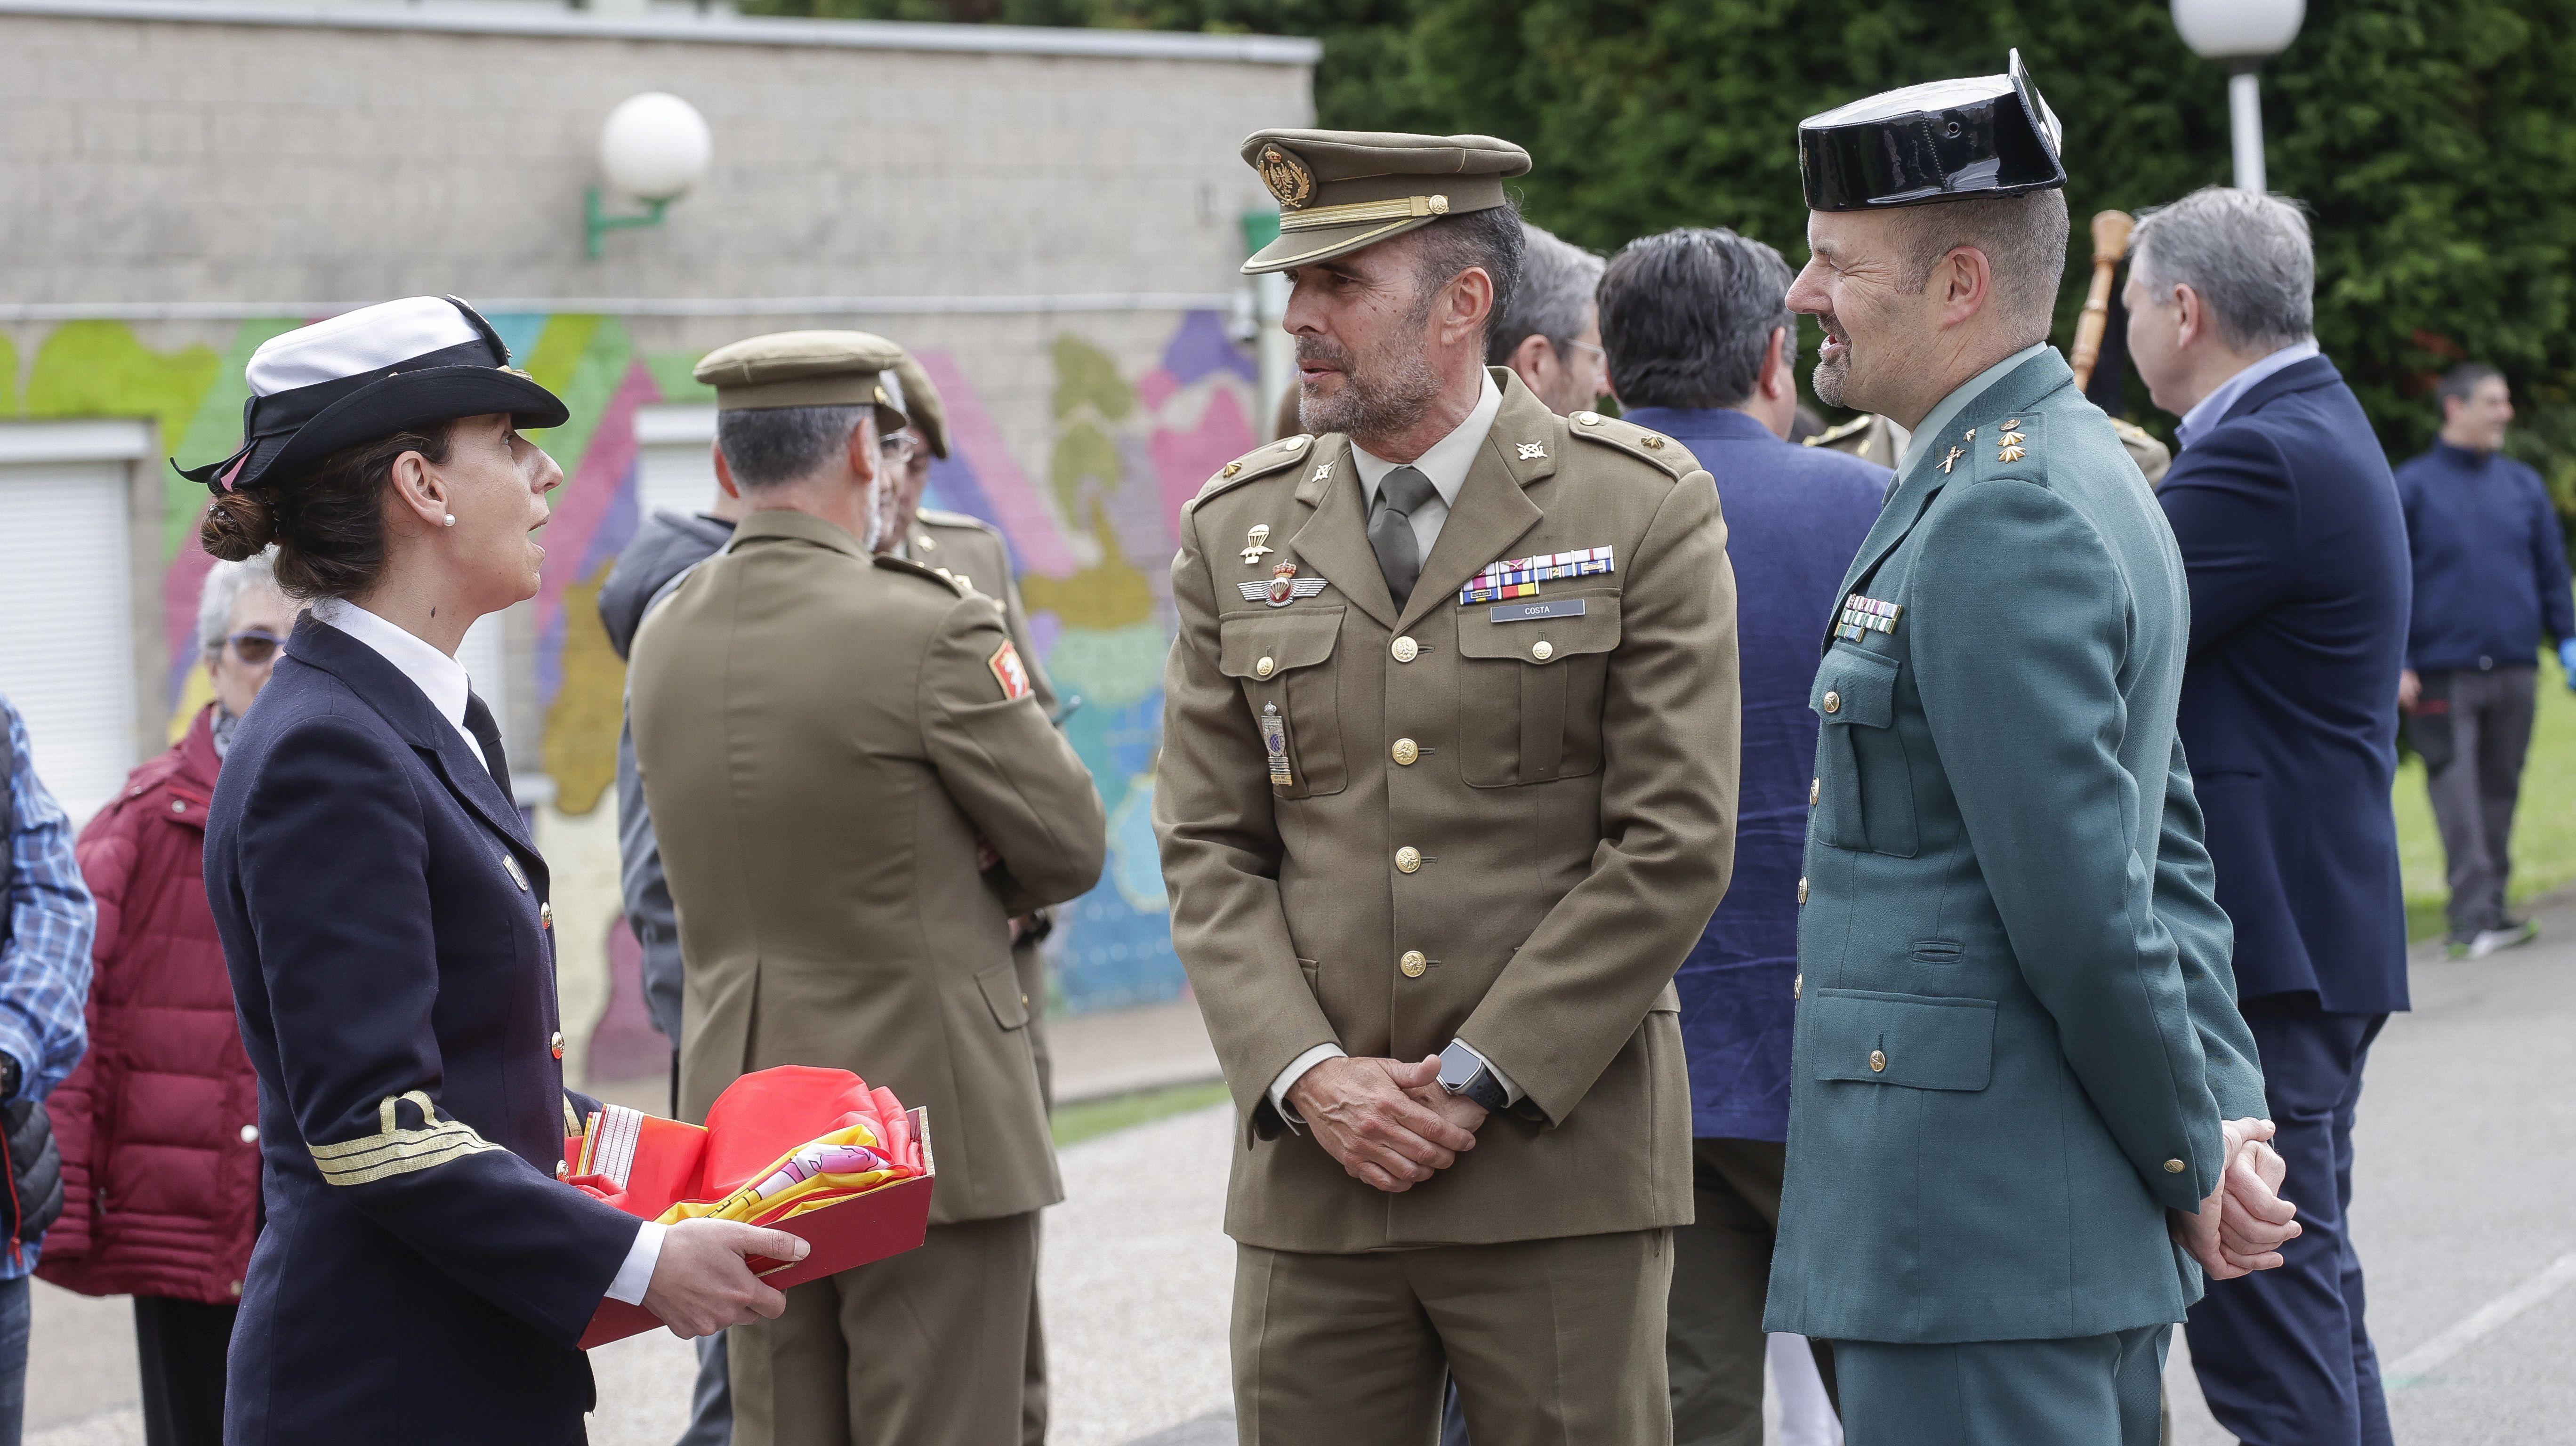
{"x": 1553, "y": 299}
{"x": 2023, "y": 239}
{"x": 770, "y": 446}
{"x": 2248, "y": 256}
{"x": 222, "y": 592}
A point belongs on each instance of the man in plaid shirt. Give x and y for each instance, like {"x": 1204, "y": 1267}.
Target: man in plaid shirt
{"x": 44, "y": 991}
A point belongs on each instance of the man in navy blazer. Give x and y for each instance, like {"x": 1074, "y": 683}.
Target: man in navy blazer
{"x": 2289, "y": 525}
{"x": 1702, "y": 348}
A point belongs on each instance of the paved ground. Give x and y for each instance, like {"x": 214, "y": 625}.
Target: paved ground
{"x": 2466, "y": 1180}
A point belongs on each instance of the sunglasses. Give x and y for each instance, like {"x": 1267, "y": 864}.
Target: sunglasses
{"x": 255, "y": 645}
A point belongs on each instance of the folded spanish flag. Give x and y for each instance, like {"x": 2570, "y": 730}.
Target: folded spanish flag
{"x": 814, "y": 1152}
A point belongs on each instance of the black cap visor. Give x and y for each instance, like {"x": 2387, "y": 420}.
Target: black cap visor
{"x": 402, "y": 402}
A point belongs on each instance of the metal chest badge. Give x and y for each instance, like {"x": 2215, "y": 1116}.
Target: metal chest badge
{"x": 1253, "y": 543}
{"x": 1284, "y": 587}
{"x": 1274, "y": 742}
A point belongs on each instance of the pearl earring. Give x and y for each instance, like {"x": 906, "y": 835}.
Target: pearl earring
{"x": 450, "y": 522}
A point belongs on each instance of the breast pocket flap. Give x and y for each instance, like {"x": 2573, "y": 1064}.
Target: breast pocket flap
{"x": 1258, "y": 646}
{"x": 1541, "y": 640}
{"x": 1854, "y": 687}
{"x": 1911, "y": 1040}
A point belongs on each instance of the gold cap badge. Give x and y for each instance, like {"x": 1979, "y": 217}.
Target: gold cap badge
{"x": 1288, "y": 177}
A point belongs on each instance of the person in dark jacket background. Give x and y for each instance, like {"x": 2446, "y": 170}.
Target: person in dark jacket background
{"x": 1702, "y": 348}
{"x": 165, "y": 1208}
{"x": 2287, "y": 518}
{"x": 2490, "y": 585}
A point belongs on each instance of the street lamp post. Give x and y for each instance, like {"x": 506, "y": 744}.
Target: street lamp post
{"x": 2241, "y": 35}
{"x": 653, "y": 148}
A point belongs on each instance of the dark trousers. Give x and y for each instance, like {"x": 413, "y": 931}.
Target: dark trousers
{"x": 181, "y": 1345}
{"x": 2284, "y": 1356}
{"x": 2473, "y": 729}
{"x": 1713, "y": 1340}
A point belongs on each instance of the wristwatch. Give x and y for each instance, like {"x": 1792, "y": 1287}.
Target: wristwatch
{"x": 1464, "y": 1072}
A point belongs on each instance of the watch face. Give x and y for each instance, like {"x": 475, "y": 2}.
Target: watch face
{"x": 1458, "y": 1065}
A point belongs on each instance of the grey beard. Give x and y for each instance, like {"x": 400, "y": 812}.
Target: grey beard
{"x": 1831, "y": 379}
{"x": 1389, "y": 402}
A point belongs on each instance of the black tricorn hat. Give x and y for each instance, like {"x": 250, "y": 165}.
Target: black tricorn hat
{"x": 371, "y": 373}
{"x": 1946, "y": 140}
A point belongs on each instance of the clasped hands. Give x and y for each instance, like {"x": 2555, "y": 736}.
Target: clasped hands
{"x": 2244, "y": 1223}
{"x": 1389, "y": 1123}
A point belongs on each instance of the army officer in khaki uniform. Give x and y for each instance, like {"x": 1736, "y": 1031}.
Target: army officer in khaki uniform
{"x": 1447, "y": 792}
{"x": 856, "y": 791}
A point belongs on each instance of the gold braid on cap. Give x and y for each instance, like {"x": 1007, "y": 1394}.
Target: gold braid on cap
{"x": 1360, "y": 213}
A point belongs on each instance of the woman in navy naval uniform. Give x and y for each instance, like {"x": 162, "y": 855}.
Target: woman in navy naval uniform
{"x": 423, "y": 1275}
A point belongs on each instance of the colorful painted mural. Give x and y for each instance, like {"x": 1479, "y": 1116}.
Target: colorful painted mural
{"x": 1090, "y": 525}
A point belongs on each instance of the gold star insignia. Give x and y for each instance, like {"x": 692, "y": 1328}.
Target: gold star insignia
{"x": 2011, "y": 439}
{"x": 2015, "y": 422}
{"x": 1951, "y": 461}
{"x": 2009, "y": 454}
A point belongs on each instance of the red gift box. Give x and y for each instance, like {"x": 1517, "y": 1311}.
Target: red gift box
{"x": 644, "y": 1165}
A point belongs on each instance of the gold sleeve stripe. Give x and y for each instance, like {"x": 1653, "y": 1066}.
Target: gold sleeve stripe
{"x": 395, "y": 1151}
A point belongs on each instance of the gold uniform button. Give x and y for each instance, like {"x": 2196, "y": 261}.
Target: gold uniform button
{"x": 1833, "y": 701}
{"x": 1412, "y": 963}
{"x": 1542, "y": 650}
{"x": 1815, "y": 790}
{"x": 1878, "y": 1061}
{"x": 1264, "y": 668}
{"x": 2173, "y": 1167}
{"x": 1587, "y": 419}
{"x": 1405, "y": 650}
{"x": 556, "y": 1044}
{"x": 1802, "y": 891}
{"x": 1405, "y": 751}
{"x": 1408, "y": 859}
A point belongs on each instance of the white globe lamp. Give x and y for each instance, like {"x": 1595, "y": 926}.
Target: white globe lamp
{"x": 2241, "y": 35}
{"x": 654, "y": 147}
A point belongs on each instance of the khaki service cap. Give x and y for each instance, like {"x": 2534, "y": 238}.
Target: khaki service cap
{"x": 921, "y": 403}
{"x": 807, "y": 369}
{"x": 1341, "y": 190}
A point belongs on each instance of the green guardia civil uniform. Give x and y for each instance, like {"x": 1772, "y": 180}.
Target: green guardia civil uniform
{"x": 2017, "y": 1031}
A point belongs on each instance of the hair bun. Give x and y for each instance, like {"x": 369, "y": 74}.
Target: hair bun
{"x": 238, "y": 526}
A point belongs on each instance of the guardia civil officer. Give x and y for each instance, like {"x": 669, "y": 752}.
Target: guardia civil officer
{"x": 1447, "y": 792}
{"x": 973, "y": 553}
{"x": 423, "y": 1274}
{"x": 2018, "y": 1076}
{"x": 856, "y": 792}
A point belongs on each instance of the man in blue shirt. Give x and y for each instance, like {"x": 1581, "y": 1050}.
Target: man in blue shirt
{"x": 2490, "y": 584}
{"x": 1701, "y": 348}
{"x": 44, "y": 1029}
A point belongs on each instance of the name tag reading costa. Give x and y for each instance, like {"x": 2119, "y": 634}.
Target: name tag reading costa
{"x": 1564, "y": 607}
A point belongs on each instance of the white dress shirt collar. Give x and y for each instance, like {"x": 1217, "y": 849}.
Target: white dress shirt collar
{"x": 2207, "y": 412}
{"x": 1938, "y": 420}
{"x": 1448, "y": 459}
{"x": 440, "y": 678}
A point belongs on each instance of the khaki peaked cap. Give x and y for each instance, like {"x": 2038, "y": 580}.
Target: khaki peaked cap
{"x": 807, "y": 369}
{"x": 1341, "y": 190}
{"x": 921, "y": 403}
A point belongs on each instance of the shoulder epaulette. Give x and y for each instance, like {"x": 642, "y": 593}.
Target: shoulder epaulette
{"x": 893, "y": 563}
{"x": 2130, "y": 431}
{"x": 2008, "y": 448}
{"x": 1667, "y": 454}
{"x": 937, "y": 517}
{"x": 1831, "y": 435}
{"x": 1259, "y": 462}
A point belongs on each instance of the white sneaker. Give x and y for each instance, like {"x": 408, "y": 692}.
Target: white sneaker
{"x": 2489, "y": 941}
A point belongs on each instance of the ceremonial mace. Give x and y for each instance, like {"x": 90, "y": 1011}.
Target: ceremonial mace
{"x": 2110, "y": 243}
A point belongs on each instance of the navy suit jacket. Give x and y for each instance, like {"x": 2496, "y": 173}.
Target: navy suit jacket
{"x": 1795, "y": 516}
{"x": 422, "y": 1276}
{"x": 2289, "y": 523}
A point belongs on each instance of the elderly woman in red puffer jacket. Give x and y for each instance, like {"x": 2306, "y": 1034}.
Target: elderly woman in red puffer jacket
{"x": 157, "y": 1126}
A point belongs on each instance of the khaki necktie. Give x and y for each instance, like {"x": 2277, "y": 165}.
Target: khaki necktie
{"x": 1390, "y": 529}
